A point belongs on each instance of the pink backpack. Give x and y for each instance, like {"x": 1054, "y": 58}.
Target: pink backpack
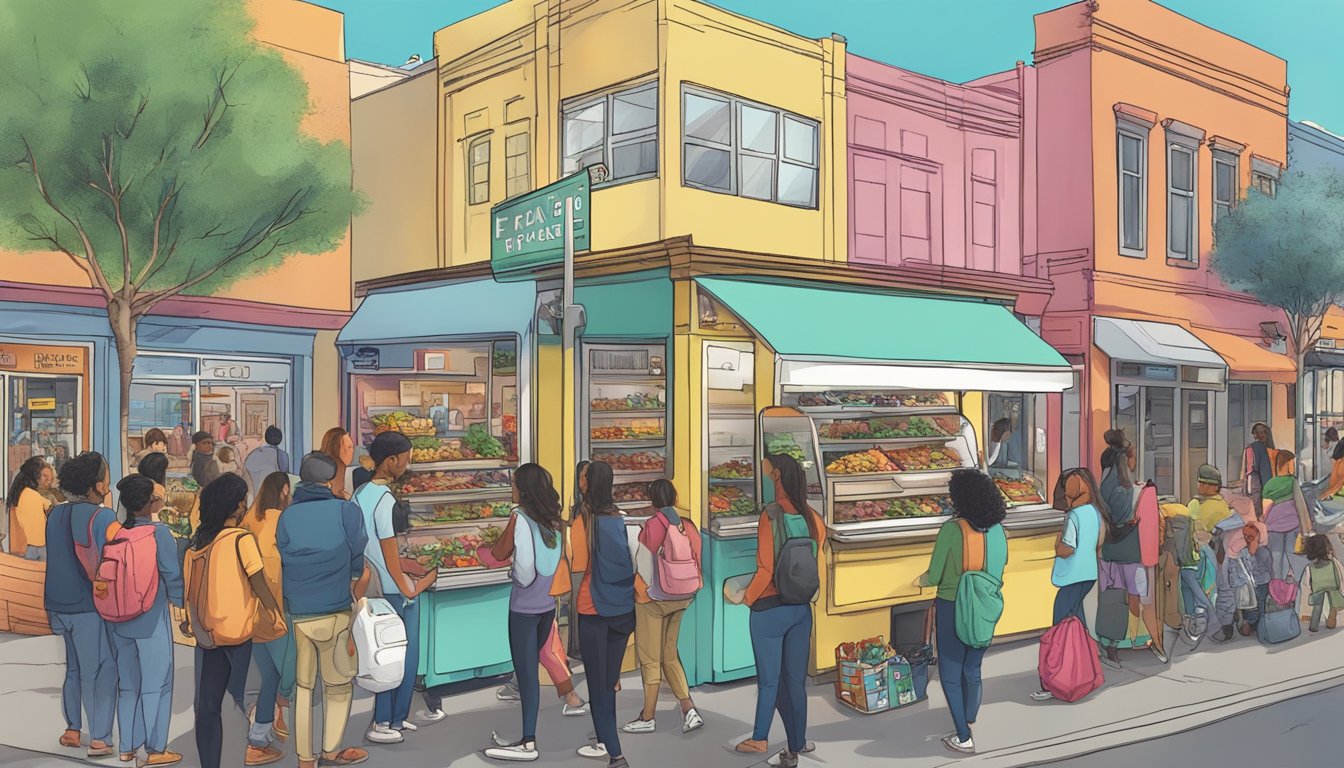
{"x": 1069, "y": 667}
{"x": 127, "y": 579}
{"x": 678, "y": 569}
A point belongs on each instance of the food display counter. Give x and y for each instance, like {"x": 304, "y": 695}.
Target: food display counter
{"x": 458, "y": 405}
{"x": 625, "y": 423}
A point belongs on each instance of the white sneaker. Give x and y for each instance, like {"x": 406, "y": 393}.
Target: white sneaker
{"x": 966, "y": 747}
{"x": 638, "y": 726}
{"x": 382, "y": 733}
{"x": 593, "y": 751}
{"x": 692, "y": 721}
{"x": 507, "y": 692}
{"x": 525, "y": 752}
{"x": 574, "y": 711}
{"x": 1042, "y": 696}
{"x": 407, "y": 726}
{"x": 431, "y": 717}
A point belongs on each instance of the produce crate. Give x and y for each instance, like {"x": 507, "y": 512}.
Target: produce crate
{"x": 869, "y": 688}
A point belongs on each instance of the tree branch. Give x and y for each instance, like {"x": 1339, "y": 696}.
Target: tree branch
{"x": 216, "y": 106}
{"x": 89, "y": 262}
{"x": 168, "y": 195}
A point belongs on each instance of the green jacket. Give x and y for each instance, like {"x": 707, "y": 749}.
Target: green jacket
{"x": 945, "y": 565}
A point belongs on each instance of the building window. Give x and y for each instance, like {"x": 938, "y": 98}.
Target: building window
{"x": 517, "y": 168}
{"x": 741, "y": 148}
{"x": 1224, "y": 184}
{"x": 478, "y": 171}
{"x": 1264, "y": 184}
{"x": 984, "y": 209}
{"x": 1182, "y": 215}
{"x": 619, "y": 129}
{"x": 1132, "y": 151}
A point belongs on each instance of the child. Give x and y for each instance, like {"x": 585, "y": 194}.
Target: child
{"x": 227, "y": 462}
{"x": 1324, "y": 578}
{"x": 1262, "y": 571}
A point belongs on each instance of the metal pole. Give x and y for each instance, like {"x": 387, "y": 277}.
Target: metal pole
{"x": 569, "y": 372}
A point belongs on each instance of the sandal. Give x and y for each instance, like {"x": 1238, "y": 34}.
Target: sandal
{"x": 347, "y": 756}
{"x": 751, "y": 746}
{"x": 71, "y": 739}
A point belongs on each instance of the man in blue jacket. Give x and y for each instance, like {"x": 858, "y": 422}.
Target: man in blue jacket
{"x": 321, "y": 539}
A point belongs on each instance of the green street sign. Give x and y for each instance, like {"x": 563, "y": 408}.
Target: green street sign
{"x": 529, "y": 231}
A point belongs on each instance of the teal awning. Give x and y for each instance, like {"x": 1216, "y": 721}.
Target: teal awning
{"x": 635, "y": 305}
{"x": 831, "y": 336}
{"x": 471, "y": 308}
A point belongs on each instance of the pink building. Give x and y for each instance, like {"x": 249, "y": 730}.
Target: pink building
{"x": 942, "y": 191}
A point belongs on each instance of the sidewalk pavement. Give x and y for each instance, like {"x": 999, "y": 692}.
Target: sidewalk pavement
{"x": 1145, "y": 700}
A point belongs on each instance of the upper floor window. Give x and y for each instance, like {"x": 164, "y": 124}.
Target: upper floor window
{"x": 1265, "y": 184}
{"x": 478, "y": 171}
{"x": 1132, "y": 154}
{"x": 1224, "y": 184}
{"x": 741, "y": 148}
{"x": 619, "y": 129}
{"x": 517, "y": 168}
{"x": 1182, "y": 215}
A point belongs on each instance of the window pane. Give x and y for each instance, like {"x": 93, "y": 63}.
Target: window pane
{"x": 516, "y": 145}
{"x": 1219, "y": 211}
{"x": 758, "y": 130}
{"x": 634, "y": 159}
{"x": 706, "y": 119}
{"x": 757, "y": 176}
{"x": 1178, "y": 227}
{"x": 708, "y": 167}
{"x": 1224, "y": 182}
{"x": 800, "y": 141}
{"x": 585, "y": 129}
{"x": 1129, "y": 153}
{"x": 480, "y": 153}
{"x": 1182, "y": 174}
{"x": 797, "y": 185}
{"x": 634, "y": 111}
{"x": 575, "y": 164}
{"x": 1131, "y": 202}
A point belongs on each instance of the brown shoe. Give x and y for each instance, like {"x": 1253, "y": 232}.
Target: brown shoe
{"x": 752, "y": 746}
{"x": 71, "y": 738}
{"x": 281, "y": 730}
{"x": 100, "y": 749}
{"x": 347, "y": 756}
{"x": 127, "y": 757}
{"x": 166, "y": 757}
{"x": 262, "y": 755}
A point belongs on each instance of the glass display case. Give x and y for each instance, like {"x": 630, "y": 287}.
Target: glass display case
{"x": 789, "y": 431}
{"x": 1015, "y": 447}
{"x": 458, "y": 406}
{"x": 886, "y": 457}
{"x": 451, "y": 514}
{"x": 730, "y": 435}
{"x": 626, "y": 418}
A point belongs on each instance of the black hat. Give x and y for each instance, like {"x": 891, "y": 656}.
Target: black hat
{"x": 386, "y": 445}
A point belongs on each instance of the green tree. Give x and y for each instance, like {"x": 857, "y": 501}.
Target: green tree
{"x": 1288, "y": 252}
{"x": 157, "y": 146}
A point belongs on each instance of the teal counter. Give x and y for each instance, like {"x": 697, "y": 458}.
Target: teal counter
{"x": 464, "y": 634}
{"x": 715, "y": 639}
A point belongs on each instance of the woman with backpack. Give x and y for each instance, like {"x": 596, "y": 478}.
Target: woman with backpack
{"x": 225, "y": 579}
{"x": 1283, "y": 518}
{"x": 972, "y": 542}
{"x": 1258, "y": 460}
{"x": 274, "y": 655}
{"x": 534, "y": 543}
{"x": 144, "y": 644}
{"x": 667, "y": 566}
{"x": 788, "y": 533}
{"x": 605, "y": 604}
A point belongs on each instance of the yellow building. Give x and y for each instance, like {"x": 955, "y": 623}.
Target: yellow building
{"x": 725, "y": 152}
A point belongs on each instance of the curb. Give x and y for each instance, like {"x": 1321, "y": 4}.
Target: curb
{"x": 1153, "y": 725}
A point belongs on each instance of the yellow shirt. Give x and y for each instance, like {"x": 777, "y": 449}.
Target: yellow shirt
{"x": 264, "y": 531}
{"x": 31, "y": 516}
{"x": 228, "y": 602}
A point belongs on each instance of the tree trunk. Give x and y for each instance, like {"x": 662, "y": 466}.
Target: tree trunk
{"x": 124, "y": 323}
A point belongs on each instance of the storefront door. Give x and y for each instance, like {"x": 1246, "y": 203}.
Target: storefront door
{"x": 42, "y": 418}
{"x": 1247, "y": 405}
{"x": 1170, "y": 430}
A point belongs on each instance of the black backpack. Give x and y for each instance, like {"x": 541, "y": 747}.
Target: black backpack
{"x": 796, "y": 576}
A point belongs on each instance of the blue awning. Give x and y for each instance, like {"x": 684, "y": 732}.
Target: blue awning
{"x": 474, "y": 308}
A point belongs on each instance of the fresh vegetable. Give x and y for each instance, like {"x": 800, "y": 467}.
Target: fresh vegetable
{"x": 736, "y": 469}
{"x": 1018, "y": 491}
{"x": 479, "y": 441}
{"x": 870, "y": 652}
{"x": 782, "y": 444}
{"x": 878, "y": 399}
{"x": 907, "y": 506}
{"x": 639, "y": 401}
{"x": 730, "y": 501}
{"x": 447, "y": 482}
{"x": 403, "y": 422}
{"x": 880, "y": 429}
{"x": 924, "y": 458}
{"x": 631, "y": 432}
{"x": 627, "y": 461}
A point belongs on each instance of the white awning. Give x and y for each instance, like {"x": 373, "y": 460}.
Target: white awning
{"x": 1155, "y": 344}
{"x": 887, "y": 375}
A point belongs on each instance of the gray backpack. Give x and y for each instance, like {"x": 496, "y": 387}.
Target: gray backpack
{"x": 796, "y": 575}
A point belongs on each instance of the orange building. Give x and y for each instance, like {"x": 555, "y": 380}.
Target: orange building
{"x": 259, "y": 353}
{"x": 1151, "y": 126}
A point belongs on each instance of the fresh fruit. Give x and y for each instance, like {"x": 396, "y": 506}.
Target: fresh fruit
{"x": 459, "y": 511}
{"x": 403, "y": 422}
{"x": 1018, "y": 491}
{"x": 629, "y": 492}
{"x": 639, "y": 401}
{"x": 924, "y": 458}
{"x": 636, "y": 461}
{"x": 906, "y": 506}
{"x": 447, "y": 482}
{"x": 730, "y": 501}
{"x": 736, "y": 469}
{"x": 627, "y": 432}
{"x": 864, "y": 462}
{"x": 449, "y": 552}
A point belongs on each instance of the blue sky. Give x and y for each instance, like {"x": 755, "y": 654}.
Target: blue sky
{"x": 953, "y": 39}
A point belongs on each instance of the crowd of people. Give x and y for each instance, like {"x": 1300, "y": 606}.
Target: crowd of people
{"x": 273, "y": 574}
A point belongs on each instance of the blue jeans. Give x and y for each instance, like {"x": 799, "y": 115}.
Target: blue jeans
{"x": 144, "y": 689}
{"x": 90, "y": 672}
{"x": 275, "y": 664}
{"x": 602, "y": 642}
{"x": 780, "y": 638}
{"x": 958, "y": 669}
{"x": 1193, "y": 593}
{"x": 394, "y": 706}
{"x": 527, "y": 636}
{"x": 1069, "y": 601}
